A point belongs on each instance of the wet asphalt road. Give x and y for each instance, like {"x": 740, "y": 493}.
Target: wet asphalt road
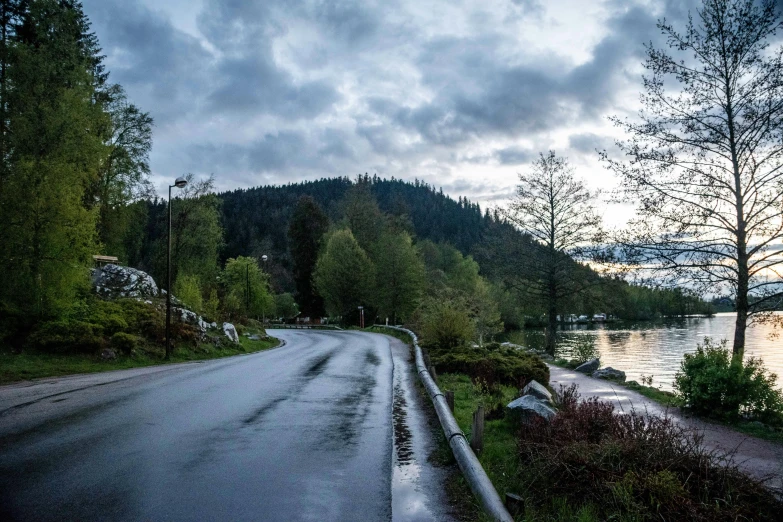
{"x": 302, "y": 432}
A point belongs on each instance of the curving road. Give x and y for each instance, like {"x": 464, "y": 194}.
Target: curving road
{"x": 302, "y": 432}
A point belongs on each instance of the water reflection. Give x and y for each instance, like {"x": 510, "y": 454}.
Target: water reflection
{"x": 656, "y": 348}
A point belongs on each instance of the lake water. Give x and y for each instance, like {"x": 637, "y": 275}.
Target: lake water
{"x": 656, "y": 348}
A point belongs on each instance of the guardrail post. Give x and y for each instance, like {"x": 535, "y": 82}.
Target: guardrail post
{"x": 477, "y": 433}
{"x": 434, "y": 375}
{"x": 450, "y": 399}
{"x": 515, "y": 504}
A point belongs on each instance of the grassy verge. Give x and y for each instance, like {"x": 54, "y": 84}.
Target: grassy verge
{"x": 34, "y": 365}
{"x": 402, "y": 336}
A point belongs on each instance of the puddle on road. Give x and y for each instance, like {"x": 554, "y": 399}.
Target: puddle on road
{"x": 409, "y": 501}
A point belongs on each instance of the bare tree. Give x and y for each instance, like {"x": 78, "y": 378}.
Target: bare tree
{"x": 705, "y": 158}
{"x": 556, "y": 210}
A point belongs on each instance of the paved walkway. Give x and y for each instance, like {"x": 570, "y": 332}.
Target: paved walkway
{"x": 756, "y": 457}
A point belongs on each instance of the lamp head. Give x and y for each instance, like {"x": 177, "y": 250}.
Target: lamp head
{"x": 180, "y": 182}
{"x": 264, "y": 258}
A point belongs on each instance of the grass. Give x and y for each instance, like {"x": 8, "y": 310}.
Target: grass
{"x": 34, "y": 365}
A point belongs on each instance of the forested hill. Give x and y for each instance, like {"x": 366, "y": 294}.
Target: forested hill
{"x": 257, "y": 218}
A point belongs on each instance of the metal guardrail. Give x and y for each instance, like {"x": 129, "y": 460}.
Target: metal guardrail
{"x": 301, "y": 327}
{"x": 471, "y": 467}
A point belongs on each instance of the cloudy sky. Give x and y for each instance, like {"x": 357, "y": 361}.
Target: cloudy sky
{"x": 460, "y": 93}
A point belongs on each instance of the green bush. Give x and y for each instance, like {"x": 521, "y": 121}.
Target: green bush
{"x": 445, "y": 325}
{"x": 493, "y": 365}
{"x": 125, "y": 342}
{"x": 67, "y": 335}
{"x": 188, "y": 291}
{"x": 710, "y": 382}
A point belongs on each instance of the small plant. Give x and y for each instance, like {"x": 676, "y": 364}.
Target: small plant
{"x": 582, "y": 349}
{"x": 712, "y": 382}
{"x": 647, "y": 380}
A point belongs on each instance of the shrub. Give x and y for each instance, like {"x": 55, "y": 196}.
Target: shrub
{"x": 445, "y": 324}
{"x": 493, "y": 365}
{"x": 632, "y": 467}
{"x": 582, "y": 349}
{"x": 125, "y": 342}
{"x": 67, "y": 335}
{"x": 711, "y": 382}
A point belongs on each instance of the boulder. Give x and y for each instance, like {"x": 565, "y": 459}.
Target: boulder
{"x": 537, "y": 390}
{"x": 186, "y": 316}
{"x": 589, "y": 367}
{"x": 231, "y": 332}
{"x": 609, "y": 373}
{"x": 122, "y": 281}
{"x": 527, "y": 408}
{"x": 107, "y": 354}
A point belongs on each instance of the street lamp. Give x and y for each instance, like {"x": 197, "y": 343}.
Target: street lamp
{"x": 179, "y": 183}
{"x": 264, "y": 258}
{"x": 361, "y": 317}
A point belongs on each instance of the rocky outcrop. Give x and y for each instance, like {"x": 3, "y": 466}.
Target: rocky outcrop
{"x": 589, "y": 367}
{"x": 122, "y": 281}
{"x": 527, "y": 408}
{"x": 231, "y": 332}
{"x": 610, "y": 374}
{"x": 186, "y": 316}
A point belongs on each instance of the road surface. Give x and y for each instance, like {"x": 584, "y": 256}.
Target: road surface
{"x": 301, "y": 432}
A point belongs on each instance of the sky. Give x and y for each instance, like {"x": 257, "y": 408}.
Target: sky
{"x": 461, "y": 94}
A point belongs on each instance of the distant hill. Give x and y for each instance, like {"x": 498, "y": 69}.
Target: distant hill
{"x": 255, "y": 220}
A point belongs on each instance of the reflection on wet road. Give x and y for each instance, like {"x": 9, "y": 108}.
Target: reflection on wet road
{"x": 302, "y": 432}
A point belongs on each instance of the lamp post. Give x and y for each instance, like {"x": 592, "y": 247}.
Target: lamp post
{"x": 361, "y": 317}
{"x": 179, "y": 183}
{"x": 264, "y": 258}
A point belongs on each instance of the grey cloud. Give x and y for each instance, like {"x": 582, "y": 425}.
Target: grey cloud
{"x": 161, "y": 66}
{"x": 589, "y": 142}
{"x": 514, "y": 156}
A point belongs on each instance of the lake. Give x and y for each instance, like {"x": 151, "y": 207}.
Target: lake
{"x": 656, "y": 347}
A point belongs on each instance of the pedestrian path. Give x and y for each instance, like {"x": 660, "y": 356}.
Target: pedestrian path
{"x": 756, "y": 457}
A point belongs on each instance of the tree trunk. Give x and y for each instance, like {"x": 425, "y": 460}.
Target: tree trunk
{"x": 551, "y": 330}
{"x": 741, "y": 304}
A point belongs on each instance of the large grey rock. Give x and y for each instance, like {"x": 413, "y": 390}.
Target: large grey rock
{"x": 538, "y": 391}
{"x": 189, "y": 317}
{"x": 609, "y": 373}
{"x": 527, "y": 408}
{"x": 589, "y": 367}
{"x": 231, "y": 332}
{"x": 123, "y": 281}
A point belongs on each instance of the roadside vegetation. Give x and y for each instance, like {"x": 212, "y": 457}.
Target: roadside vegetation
{"x": 592, "y": 464}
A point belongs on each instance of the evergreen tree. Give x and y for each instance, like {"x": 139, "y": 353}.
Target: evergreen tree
{"x": 305, "y": 232}
{"x": 54, "y": 152}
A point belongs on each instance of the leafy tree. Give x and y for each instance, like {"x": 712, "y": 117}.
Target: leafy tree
{"x": 196, "y": 234}
{"x": 247, "y": 288}
{"x": 399, "y": 276}
{"x": 706, "y": 157}
{"x": 285, "y": 306}
{"x": 124, "y": 173}
{"x": 343, "y": 275}
{"x": 556, "y": 210}
{"x": 305, "y": 232}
